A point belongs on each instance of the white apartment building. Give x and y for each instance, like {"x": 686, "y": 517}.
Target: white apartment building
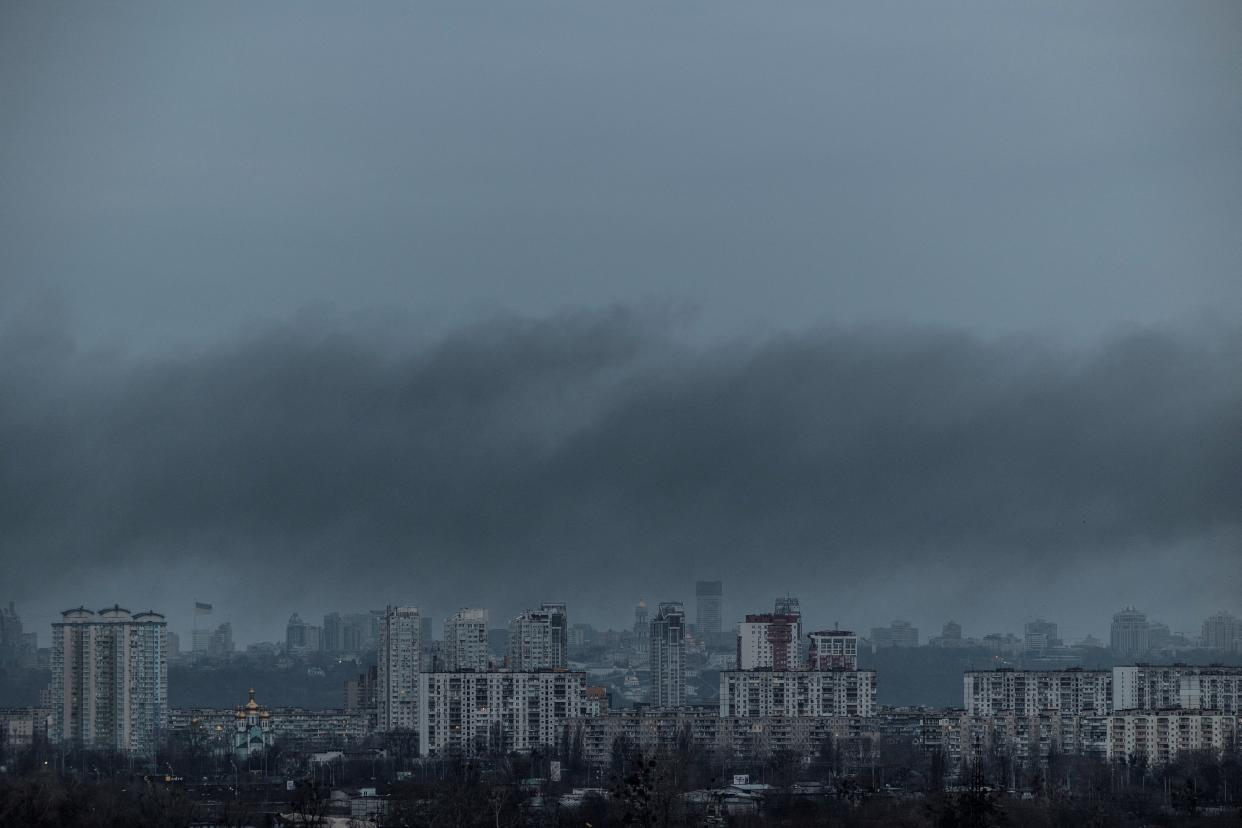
{"x": 470, "y": 713}
{"x": 769, "y": 641}
{"x": 539, "y": 639}
{"x": 465, "y": 641}
{"x": 1157, "y": 738}
{"x": 1072, "y": 691}
{"x": 398, "y": 662}
{"x": 1170, "y": 686}
{"x": 800, "y": 693}
{"x": 109, "y": 680}
{"x": 834, "y": 650}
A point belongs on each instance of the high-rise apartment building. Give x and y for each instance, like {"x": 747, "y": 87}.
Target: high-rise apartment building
{"x": 470, "y": 713}
{"x": 668, "y": 656}
{"x": 398, "y": 664}
{"x": 1130, "y": 634}
{"x": 797, "y": 693}
{"x": 465, "y": 641}
{"x": 708, "y": 597}
{"x": 1074, "y": 691}
{"x": 109, "y": 687}
{"x": 770, "y": 641}
{"x": 539, "y": 639}
{"x": 1172, "y": 686}
{"x": 1222, "y": 631}
{"x": 834, "y": 650}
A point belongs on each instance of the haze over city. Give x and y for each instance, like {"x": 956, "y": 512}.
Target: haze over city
{"x": 919, "y": 312}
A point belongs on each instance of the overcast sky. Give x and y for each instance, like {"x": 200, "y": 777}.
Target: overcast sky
{"x": 915, "y": 310}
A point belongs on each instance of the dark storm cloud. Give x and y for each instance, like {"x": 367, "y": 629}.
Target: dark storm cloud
{"x": 598, "y": 456}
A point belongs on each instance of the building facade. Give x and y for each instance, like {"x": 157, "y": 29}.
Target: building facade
{"x": 1072, "y": 692}
{"x": 465, "y": 641}
{"x": 709, "y": 597}
{"x": 109, "y": 687}
{"x": 759, "y": 693}
{"x": 1222, "y": 631}
{"x": 1160, "y": 737}
{"x": 667, "y": 653}
{"x": 398, "y": 665}
{"x": 834, "y": 650}
{"x": 539, "y": 639}
{"x": 472, "y": 713}
{"x": 770, "y": 641}
{"x": 1177, "y": 686}
{"x": 898, "y": 634}
{"x": 1129, "y": 633}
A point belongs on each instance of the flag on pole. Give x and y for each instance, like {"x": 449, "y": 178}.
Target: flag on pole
{"x": 201, "y": 609}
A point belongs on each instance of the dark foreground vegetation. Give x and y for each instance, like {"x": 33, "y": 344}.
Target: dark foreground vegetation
{"x": 186, "y": 786}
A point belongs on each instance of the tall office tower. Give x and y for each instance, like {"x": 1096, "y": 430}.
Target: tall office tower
{"x": 465, "y": 641}
{"x": 708, "y": 595}
{"x": 109, "y": 680}
{"x": 770, "y": 641}
{"x": 200, "y": 636}
{"x": 356, "y": 634}
{"x": 333, "y": 633}
{"x": 834, "y": 650}
{"x": 642, "y": 628}
{"x": 398, "y": 662}
{"x": 538, "y": 639}
{"x": 1129, "y": 634}
{"x": 1039, "y": 635}
{"x": 1222, "y": 631}
{"x": 668, "y": 656}
{"x": 295, "y": 634}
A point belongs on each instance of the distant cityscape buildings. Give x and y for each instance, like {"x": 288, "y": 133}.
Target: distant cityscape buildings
{"x": 709, "y": 597}
{"x": 897, "y": 634}
{"x": 1129, "y": 634}
{"x": 1222, "y": 631}
{"x": 478, "y": 690}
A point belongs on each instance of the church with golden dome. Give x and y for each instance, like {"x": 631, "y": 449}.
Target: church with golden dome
{"x": 252, "y": 728}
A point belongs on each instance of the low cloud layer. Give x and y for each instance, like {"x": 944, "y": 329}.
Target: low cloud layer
{"x": 597, "y": 457}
